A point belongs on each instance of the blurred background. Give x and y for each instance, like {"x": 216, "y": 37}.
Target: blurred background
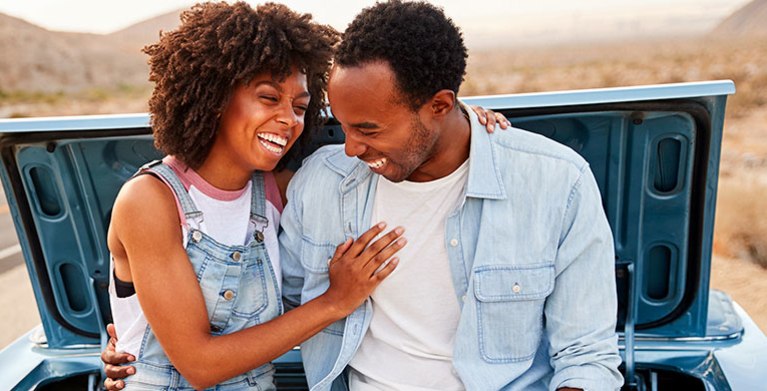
{"x": 83, "y": 57}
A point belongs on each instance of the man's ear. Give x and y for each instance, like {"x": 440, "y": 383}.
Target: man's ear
{"x": 442, "y": 103}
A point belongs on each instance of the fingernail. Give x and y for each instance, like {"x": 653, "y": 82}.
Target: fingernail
{"x": 394, "y": 261}
{"x": 131, "y": 358}
{"x": 402, "y": 241}
{"x": 399, "y": 230}
{"x": 131, "y": 371}
{"x": 382, "y": 225}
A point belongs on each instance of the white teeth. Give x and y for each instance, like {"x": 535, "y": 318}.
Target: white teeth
{"x": 271, "y": 148}
{"x": 277, "y": 139}
{"x": 377, "y": 163}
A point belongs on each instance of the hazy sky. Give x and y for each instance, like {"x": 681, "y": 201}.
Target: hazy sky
{"x": 479, "y": 19}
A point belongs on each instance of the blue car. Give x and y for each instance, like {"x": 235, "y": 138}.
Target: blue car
{"x": 654, "y": 150}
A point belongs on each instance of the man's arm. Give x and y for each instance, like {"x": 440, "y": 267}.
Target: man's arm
{"x": 290, "y": 247}
{"x": 581, "y": 311}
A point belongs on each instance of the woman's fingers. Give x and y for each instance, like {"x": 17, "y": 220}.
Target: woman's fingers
{"x": 361, "y": 243}
{"x": 385, "y": 271}
{"x": 481, "y": 114}
{"x": 502, "y": 121}
{"x": 340, "y": 250}
{"x": 381, "y": 243}
{"x": 376, "y": 261}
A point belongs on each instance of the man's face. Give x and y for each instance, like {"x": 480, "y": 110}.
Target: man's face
{"x": 380, "y": 128}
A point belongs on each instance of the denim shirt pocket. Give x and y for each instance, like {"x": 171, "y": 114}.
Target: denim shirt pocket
{"x": 510, "y": 302}
{"x": 314, "y": 259}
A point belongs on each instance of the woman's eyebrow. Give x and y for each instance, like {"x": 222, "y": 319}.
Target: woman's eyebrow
{"x": 278, "y": 87}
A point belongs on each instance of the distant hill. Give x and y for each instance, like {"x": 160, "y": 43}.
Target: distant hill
{"x": 749, "y": 20}
{"x": 38, "y": 60}
{"x": 143, "y": 33}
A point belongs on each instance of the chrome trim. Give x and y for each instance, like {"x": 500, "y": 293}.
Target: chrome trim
{"x": 728, "y": 337}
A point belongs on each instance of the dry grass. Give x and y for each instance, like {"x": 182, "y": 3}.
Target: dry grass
{"x": 624, "y": 64}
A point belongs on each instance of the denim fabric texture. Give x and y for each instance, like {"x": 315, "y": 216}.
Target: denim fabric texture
{"x": 239, "y": 287}
{"x": 531, "y": 255}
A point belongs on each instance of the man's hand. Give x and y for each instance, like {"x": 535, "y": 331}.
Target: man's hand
{"x": 112, "y": 363}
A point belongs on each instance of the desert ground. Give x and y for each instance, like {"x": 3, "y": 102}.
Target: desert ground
{"x": 740, "y": 263}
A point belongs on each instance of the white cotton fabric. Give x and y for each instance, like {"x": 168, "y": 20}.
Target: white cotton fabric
{"x": 409, "y": 345}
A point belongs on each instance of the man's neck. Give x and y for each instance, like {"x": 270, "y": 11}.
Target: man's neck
{"x": 450, "y": 150}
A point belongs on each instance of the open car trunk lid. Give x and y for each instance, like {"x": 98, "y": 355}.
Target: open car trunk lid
{"x": 654, "y": 151}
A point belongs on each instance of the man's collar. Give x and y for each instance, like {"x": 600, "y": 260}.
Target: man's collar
{"x": 352, "y": 169}
{"x": 484, "y": 172}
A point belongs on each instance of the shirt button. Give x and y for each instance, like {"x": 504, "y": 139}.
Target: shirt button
{"x": 228, "y": 295}
{"x": 463, "y": 298}
{"x": 516, "y": 288}
{"x": 454, "y": 242}
{"x": 236, "y": 256}
{"x": 196, "y": 236}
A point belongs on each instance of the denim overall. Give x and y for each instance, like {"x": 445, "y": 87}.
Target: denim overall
{"x": 237, "y": 282}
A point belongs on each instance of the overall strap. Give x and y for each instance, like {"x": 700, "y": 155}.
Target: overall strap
{"x": 164, "y": 172}
{"x": 258, "y": 205}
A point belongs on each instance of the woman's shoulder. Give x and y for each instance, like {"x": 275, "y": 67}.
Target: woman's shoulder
{"x": 145, "y": 199}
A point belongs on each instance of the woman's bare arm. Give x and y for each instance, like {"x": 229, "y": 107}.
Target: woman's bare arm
{"x": 145, "y": 222}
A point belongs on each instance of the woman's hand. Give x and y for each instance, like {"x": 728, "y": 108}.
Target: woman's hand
{"x": 356, "y": 268}
{"x": 490, "y": 118}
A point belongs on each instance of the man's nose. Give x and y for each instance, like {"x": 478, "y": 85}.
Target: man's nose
{"x": 352, "y": 146}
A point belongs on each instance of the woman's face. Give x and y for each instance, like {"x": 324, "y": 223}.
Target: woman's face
{"x": 262, "y": 121}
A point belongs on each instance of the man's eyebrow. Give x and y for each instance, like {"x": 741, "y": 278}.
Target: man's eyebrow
{"x": 278, "y": 87}
{"x": 364, "y": 125}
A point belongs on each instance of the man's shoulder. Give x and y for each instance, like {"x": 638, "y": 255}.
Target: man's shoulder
{"x": 516, "y": 142}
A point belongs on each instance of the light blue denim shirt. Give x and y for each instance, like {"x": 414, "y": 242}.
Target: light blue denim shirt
{"x": 531, "y": 255}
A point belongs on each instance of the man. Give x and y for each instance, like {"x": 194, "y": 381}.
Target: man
{"x": 507, "y": 279}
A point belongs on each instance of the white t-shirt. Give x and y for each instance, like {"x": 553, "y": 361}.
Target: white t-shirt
{"x": 409, "y": 345}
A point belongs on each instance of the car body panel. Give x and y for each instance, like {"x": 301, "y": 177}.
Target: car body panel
{"x": 654, "y": 151}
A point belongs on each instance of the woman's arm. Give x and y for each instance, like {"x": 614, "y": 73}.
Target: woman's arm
{"x": 146, "y": 224}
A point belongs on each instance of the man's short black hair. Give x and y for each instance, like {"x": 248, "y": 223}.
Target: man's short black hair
{"x": 422, "y": 46}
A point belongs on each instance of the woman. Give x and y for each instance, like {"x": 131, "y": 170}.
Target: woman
{"x": 194, "y": 238}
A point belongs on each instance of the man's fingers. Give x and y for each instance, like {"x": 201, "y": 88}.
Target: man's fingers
{"x": 116, "y": 358}
{"x": 118, "y": 372}
{"x": 111, "y": 385}
{"x": 362, "y": 242}
{"x": 111, "y": 331}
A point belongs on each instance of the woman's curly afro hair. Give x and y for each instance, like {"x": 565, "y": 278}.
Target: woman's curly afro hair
{"x": 219, "y": 46}
{"x": 423, "y": 47}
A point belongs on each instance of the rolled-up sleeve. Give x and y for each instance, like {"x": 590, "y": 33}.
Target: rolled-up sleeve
{"x": 581, "y": 311}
